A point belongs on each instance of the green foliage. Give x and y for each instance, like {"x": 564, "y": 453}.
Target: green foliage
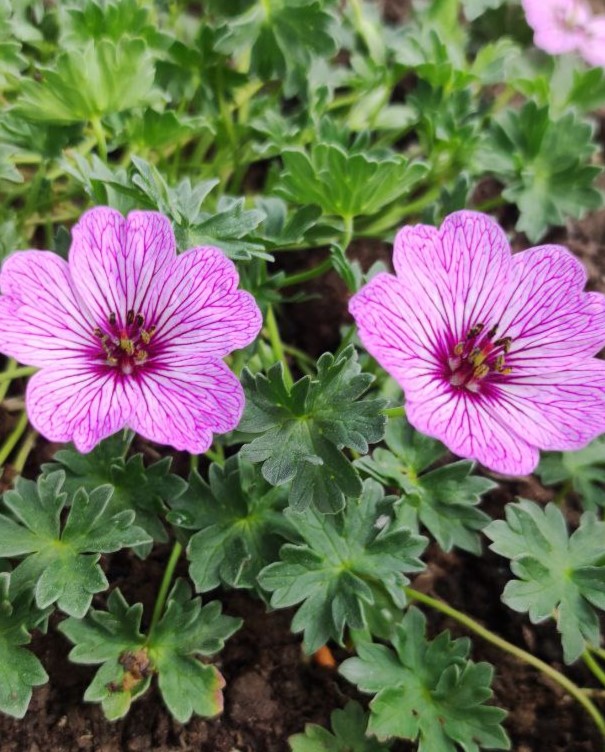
{"x": 283, "y": 37}
{"x": 129, "y": 659}
{"x": 544, "y": 164}
{"x": 305, "y": 427}
{"x": 20, "y": 670}
{"x": 142, "y": 491}
{"x": 583, "y": 471}
{"x": 239, "y": 523}
{"x": 444, "y": 500}
{"x": 560, "y": 576}
{"x": 428, "y": 691}
{"x": 61, "y": 561}
{"x": 349, "y": 726}
{"x": 347, "y": 564}
{"x": 347, "y": 184}
{"x": 86, "y": 83}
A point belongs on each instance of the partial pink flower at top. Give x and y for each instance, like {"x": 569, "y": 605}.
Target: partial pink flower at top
{"x": 495, "y": 352}
{"x": 127, "y": 334}
{"x": 567, "y": 26}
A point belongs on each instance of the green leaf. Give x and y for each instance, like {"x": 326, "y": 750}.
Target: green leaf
{"x": 129, "y": 659}
{"x": 428, "y": 691}
{"x": 20, "y": 670}
{"x": 141, "y": 490}
{"x": 186, "y": 631}
{"x": 97, "y": 79}
{"x": 475, "y": 8}
{"x": 545, "y": 165}
{"x": 444, "y": 500}
{"x": 240, "y": 524}
{"x": 346, "y": 184}
{"x": 584, "y": 470}
{"x": 561, "y": 576}
{"x": 347, "y": 563}
{"x": 304, "y": 429}
{"x": 60, "y": 562}
{"x": 349, "y": 726}
{"x": 283, "y": 37}
{"x": 8, "y": 171}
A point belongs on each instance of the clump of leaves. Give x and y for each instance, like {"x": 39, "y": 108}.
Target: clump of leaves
{"x": 427, "y": 691}
{"x": 349, "y": 727}
{"x": 304, "y": 427}
{"x": 583, "y": 471}
{"x": 444, "y": 500}
{"x": 560, "y": 576}
{"x": 60, "y": 562}
{"x": 129, "y": 659}
{"x": 347, "y": 564}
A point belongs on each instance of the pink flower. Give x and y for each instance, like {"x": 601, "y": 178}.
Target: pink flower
{"x": 127, "y": 334}
{"x": 495, "y": 353}
{"x": 567, "y": 26}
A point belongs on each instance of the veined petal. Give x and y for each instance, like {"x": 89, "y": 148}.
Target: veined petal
{"x": 548, "y": 315}
{"x": 459, "y": 267}
{"x": 400, "y": 329}
{"x": 467, "y": 426}
{"x": 116, "y": 262}
{"x": 199, "y": 305}
{"x": 77, "y": 402}
{"x": 42, "y": 319}
{"x": 556, "y": 409}
{"x": 183, "y": 400}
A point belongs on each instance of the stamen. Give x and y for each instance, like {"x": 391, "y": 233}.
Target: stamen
{"x": 140, "y": 320}
{"x": 130, "y": 317}
{"x": 481, "y": 371}
{"x": 97, "y": 332}
{"x": 112, "y": 319}
{"x": 476, "y": 330}
{"x": 127, "y": 345}
{"x": 492, "y": 332}
{"x": 504, "y": 343}
{"x": 459, "y": 349}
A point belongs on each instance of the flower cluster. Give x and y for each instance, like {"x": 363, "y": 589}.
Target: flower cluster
{"x": 495, "y": 352}
{"x": 567, "y": 26}
{"x": 127, "y": 334}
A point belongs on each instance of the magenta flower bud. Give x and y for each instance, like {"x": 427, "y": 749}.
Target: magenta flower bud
{"x": 127, "y": 334}
{"x": 495, "y": 352}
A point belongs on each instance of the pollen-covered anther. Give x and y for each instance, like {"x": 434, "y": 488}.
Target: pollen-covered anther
{"x": 127, "y": 345}
{"x": 477, "y": 358}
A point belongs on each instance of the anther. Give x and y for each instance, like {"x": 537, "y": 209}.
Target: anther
{"x": 112, "y": 319}
{"x": 459, "y": 349}
{"x": 481, "y": 371}
{"x": 492, "y": 332}
{"x": 504, "y": 343}
{"x": 476, "y": 330}
{"x": 140, "y": 320}
{"x": 97, "y": 332}
{"x": 130, "y": 317}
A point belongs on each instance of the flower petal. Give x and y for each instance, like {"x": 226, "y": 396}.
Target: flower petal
{"x": 77, "y": 402}
{"x": 42, "y": 319}
{"x": 548, "y": 315}
{"x": 469, "y": 427}
{"x": 116, "y": 262}
{"x": 400, "y": 329}
{"x": 556, "y": 410}
{"x": 183, "y": 400}
{"x": 200, "y": 306}
{"x": 460, "y": 267}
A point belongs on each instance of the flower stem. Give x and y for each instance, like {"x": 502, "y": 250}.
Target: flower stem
{"x": 99, "y": 131}
{"x": 394, "y": 412}
{"x": 11, "y": 440}
{"x": 24, "y": 451}
{"x": 277, "y": 346}
{"x": 594, "y": 667}
{"x": 15, "y": 373}
{"x": 575, "y": 691}
{"x": 314, "y": 271}
{"x": 165, "y": 585}
{"x": 7, "y": 376}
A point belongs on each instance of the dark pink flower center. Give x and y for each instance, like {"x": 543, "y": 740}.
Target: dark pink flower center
{"x": 478, "y": 358}
{"x": 125, "y": 346}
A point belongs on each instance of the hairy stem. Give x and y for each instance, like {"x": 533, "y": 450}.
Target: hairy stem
{"x": 15, "y": 373}
{"x": 11, "y": 440}
{"x": 99, "y": 131}
{"x": 394, "y": 412}
{"x": 24, "y": 451}
{"x": 594, "y": 667}
{"x": 277, "y": 345}
{"x": 474, "y": 626}
{"x": 314, "y": 271}
{"x": 160, "y": 602}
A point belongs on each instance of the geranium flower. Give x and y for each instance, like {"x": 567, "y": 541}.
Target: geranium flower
{"x": 495, "y": 352}
{"x": 127, "y": 334}
{"x": 567, "y": 26}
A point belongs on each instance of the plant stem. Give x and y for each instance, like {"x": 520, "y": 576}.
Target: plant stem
{"x": 24, "y": 452}
{"x": 314, "y": 271}
{"x": 99, "y": 131}
{"x": 394, "y": 412}
{"x": 7, "y": 377}
{"x": 508, "y": 647}
{"x": 11, "y": 440}
{"x": 277, "y": 346}
{"x": 15, "y": 373}
{"x": 164, "y": 586}
{"x": 593, "y": 666}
